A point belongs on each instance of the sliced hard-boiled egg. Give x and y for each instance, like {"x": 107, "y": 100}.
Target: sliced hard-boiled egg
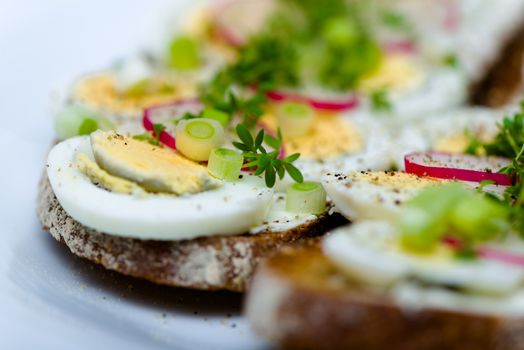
{"x": 337, "y": 143}
{"x": 373, "y": 195}
{"x": 370, "y": 252}
{"x": 232, "y": 208}
{"x": 155, "y": 168}
{"x": 101, "y": 92}
{"x": 279, "y": 219}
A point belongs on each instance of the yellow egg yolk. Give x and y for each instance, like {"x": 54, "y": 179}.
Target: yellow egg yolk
{"x": 395, "y": 180}
{"x": 156, "y": 169}
{"x": 454, "y": 143}
{"x": 330, "y": 136}
{"x": 105, "y": 180}
{"x": 397, "y": 73}
{"x": 100, "y": 91}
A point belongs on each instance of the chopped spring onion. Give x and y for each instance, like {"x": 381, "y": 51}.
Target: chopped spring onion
{"x": 450, "y": 210}
{"x": 183, "y": 53}
{"x": 306, "y": 197}
{"x": 424, "y": 219}
{"x": 195, "y": 138}
{"x": 340, "y": 32}
{"x": 218, "y": 115}
{"x": 479, "y": 218}
{"x": 225, "y": 164}
{"x": 76, "y": 120}
{"x": 295, "y": 119}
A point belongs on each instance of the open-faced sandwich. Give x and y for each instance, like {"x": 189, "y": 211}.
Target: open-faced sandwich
{"x": 433, "y": 258}
{"x": 188, "y": 166}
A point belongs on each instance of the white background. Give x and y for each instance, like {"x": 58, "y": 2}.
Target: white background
{"x": 49, "y": 299}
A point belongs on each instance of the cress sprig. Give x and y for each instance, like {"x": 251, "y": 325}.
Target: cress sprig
{"x": 261, "y": 161}
{"x": 509, "y": 143}
{"x": 151, "y": 137}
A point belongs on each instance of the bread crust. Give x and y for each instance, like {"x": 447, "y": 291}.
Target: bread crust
{"x": 299, "y": 300}
{"x": 208, "y": 263}
{"x": 503, "y": 80}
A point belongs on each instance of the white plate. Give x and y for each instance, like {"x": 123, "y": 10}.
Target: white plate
{"x": 50, "y": 299}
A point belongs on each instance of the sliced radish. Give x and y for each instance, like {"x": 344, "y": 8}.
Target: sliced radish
{"x": 399, "y": 47}
{"x": 455, "y": 166}
{"x": 159, "y": 113}
{"x": 234, "y": 20}
{"x": 489, "y": 253}
{"x": 335, "y": 104}
{"x": 451, "y": 19}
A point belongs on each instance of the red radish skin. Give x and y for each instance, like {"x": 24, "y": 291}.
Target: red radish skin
{"x": 342, "y": 104}
{"x": 489, "y": 253}
{"x": 164, "y": 136}
{"x": 452, "y": 16}
{"x": 453, "y": 166}
{"x": 400, "y": 47}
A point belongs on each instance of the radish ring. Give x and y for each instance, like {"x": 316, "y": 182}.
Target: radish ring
{"x": 453, "y": 166}
{"x": 147, "y": 120}
{"x": 236, "y": 33}
{"x": 345, "y": 103}
{"x": 400, "y": 47}
{"x": 489, "y": 253}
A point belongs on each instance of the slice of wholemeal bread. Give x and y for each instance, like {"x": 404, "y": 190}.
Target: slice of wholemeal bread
{"x": 298, "y": 299}
{"x": 209, "y": 263}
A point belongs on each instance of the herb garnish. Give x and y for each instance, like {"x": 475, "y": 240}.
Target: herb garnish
{"x": 509, "y": 143}
{"x": 257, "y": 158}
{"x": 151, "y": 137}
{"x": 380, "y": 101}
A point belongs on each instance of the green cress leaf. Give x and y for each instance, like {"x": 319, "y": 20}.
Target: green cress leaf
{"x": 258, "y": 159}
{"x": 292, "y": 158}
{"x": 380, "y": 101}
{"x": 158, "y": 128}
{"x": 509, "y": 143}
{"x": 245, "y": 136}
{"x": 270, "y": 176}
{"x": 281, "y": 171}
{"x": 294, "y": 172}
{"x": 259, "y": 139}
{"x": 241, "y": 146}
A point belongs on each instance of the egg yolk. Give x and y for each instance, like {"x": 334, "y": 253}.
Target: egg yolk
{"x": 454, "y": 144}
{"x": 329, "y": 136}
{"x": 100, "y": 91}
{"x": 396, "y": 180}
{"x": 397, "y": 73}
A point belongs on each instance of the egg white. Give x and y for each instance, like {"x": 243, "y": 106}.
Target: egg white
{"x": 358, "y": 197}
{"x": 440, "y": 89}
{"x": 374, "y": 155}
{"x": 369, "y": 251}
{"x": 233, "y": 208}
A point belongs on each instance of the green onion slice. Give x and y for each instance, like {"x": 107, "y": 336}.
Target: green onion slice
{"x": 295, "y": 119}
{"x": 74, "y": 120}
{"x": 306, "y": 198}
{"x": 195, "y": 138}
{"x": 225, "y": 164}
{"x": 450, "y": 210}
{"x": 183, "y": 53}
{"x": 218, "y": 115}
